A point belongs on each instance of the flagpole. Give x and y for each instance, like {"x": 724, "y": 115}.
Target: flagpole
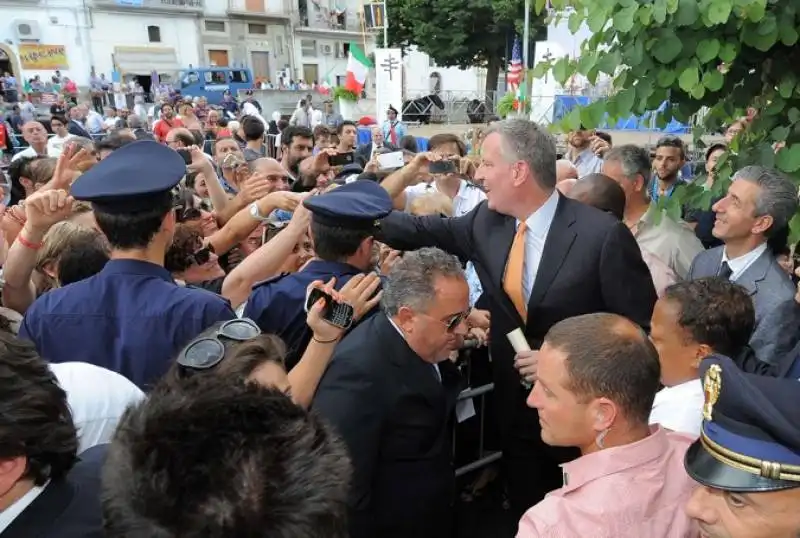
{"x": 526, "y": 37}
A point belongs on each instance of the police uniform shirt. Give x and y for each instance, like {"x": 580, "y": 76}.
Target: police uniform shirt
{"x": 465, "y": 200}
{"x": 278, "y": 305}
{"x": 131, "y": 317}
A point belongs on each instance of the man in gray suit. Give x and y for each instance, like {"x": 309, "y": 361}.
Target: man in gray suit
{"x": 759, "y": 202}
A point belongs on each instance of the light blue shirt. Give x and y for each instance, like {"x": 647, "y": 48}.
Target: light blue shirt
{"x": 399, "y": 129}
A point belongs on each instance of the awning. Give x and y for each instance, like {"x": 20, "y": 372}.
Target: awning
{"x": 145, "y": 60}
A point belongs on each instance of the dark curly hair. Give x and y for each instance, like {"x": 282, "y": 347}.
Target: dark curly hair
{"x": 218, "y": 457}
{"x": 715, "y": 312}
{"x": 187, "y": 239}
{"x": 35, "y": 419}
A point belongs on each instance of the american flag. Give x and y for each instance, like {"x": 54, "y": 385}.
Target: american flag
{"x": 514, "y": 75}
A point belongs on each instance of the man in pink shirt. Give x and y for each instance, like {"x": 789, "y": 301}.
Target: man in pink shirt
{"x": 597, "y": 376}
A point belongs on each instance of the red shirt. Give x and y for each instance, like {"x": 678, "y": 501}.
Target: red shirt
{"x": 162, "y": 127}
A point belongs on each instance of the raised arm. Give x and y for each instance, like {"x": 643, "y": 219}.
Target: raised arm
{"x": 402, "y": 231}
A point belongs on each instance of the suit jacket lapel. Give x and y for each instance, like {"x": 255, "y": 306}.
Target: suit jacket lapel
{"x": 755, "y": 273}
{"x": 421, "y": 374}
{"x": 559, "y": 241}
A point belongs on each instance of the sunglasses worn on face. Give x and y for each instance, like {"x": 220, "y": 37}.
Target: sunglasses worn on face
{"x": 452, "y": 323}
{"x": 202, "y": 256}
{"x": 208, "y": 351}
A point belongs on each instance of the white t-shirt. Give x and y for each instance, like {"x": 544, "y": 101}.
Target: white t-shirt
{"x": 97, "y": 398}
{"x": 55, "y": 145}
{"x": 680, "y": 408}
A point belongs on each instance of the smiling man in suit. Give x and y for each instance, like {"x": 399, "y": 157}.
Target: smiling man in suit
{"x": 390, "y": 392}
{"x": 758, "y": 204}
{"x": 541, "y": 258}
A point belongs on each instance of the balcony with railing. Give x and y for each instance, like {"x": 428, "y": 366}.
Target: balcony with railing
{"x": 324, "y": 20}
{"x": 166, "y": 6}
{"x": 268, "y": 9}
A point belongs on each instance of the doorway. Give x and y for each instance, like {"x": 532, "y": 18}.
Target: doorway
{"x": 310, "y": 73}
{"x": 259, "y": 60}
{"x": 218, "y": 58}
{"x": 10, "y": 63}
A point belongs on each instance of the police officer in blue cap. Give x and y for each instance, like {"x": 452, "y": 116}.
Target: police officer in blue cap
{"x": 747, "y": 460}
{"x": 343, "y": 224}
{"x": 131, "y": 317}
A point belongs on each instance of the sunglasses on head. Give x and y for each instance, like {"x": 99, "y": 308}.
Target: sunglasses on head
{"x": 206, "y": 352}
{"x": 202, "y": 256}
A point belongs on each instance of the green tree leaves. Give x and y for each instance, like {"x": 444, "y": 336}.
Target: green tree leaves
{"x": 711, "y": 61}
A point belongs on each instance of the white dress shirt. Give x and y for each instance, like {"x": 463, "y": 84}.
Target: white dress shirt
{"x": 11, "y": 513}
{"x": 742, "y": 263}
{"x": 538, "y": 226}
{"x": 680, "y": 408}
{"x": 97, "y": 397}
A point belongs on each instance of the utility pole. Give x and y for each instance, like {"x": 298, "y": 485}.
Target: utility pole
{"x": 526, "y": 39}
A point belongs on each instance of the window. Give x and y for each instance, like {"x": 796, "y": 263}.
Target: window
{"x": 239, "y": 76}
{"x": 215, "y": 26}
{"x": 258, "y": 29}
{"x": 308, "y": 47}
{"x": 154, "y": 34}
{"x": 216, "y": 77}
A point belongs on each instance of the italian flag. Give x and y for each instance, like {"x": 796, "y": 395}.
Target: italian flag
{"x": 358, "y": 66}
{"x": 325, "y": 87}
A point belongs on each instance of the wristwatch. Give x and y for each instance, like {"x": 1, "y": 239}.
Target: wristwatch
{"x": 256, "y": 214}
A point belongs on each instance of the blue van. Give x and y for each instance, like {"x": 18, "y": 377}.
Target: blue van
{"x": 212, "y": 82}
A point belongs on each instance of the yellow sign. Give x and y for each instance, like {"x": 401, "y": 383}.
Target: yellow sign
{"x": 45, "y": 57}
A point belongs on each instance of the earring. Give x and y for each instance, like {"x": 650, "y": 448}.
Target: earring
{"x": 600, "y": 439}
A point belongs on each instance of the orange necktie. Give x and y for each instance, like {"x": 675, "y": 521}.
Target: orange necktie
{"x": 512, "y": 282}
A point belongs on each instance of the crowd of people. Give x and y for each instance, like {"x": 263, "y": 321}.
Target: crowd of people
{"x": 257, "y": 341}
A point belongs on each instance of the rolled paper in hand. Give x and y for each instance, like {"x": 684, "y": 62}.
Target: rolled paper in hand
{"x": 518, "y": 341}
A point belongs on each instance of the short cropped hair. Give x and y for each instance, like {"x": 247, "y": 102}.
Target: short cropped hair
{"x": 715, "y": 312}
{"x": 35, "y": 419}
{"x": 607, "y": 359}
{"x": 218, "y": 457}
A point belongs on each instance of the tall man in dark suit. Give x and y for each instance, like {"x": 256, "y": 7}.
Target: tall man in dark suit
{"x": 541, "y": 258}
{"x": 46, "y": 491}
{"x": 758, "y": 204}
{"x": 390, "y": 391}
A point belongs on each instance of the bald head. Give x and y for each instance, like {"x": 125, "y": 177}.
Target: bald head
{"x": 602, "y": 192}
{"x": 180, "y": 137}
{"x": 271, "y": 171}
{"x": 565, "y": 186}
{"x": 565, "y": 170}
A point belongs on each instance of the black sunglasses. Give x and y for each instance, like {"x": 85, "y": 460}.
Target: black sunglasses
{"x": 455, "y": 321}
{"x": 202, "y": 256}
{"x": 206, "y": 352}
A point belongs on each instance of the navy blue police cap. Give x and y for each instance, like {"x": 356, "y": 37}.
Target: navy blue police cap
{"x": 130, "y": 178}
{"x": 358, "y": 205}
{"x": 750, "y": 440}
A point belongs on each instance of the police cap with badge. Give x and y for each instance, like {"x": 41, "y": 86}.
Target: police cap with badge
{"x": 750, "y": 439}
{"x": 358, "y": 205}
{"x": 134, "y": 178}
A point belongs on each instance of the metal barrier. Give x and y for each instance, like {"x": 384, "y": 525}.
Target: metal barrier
{"x": 484, "y": 457}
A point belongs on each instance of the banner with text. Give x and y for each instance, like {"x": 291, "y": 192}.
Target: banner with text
{"x": 43, "y": 57}
{"x": 388, "y": 82}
